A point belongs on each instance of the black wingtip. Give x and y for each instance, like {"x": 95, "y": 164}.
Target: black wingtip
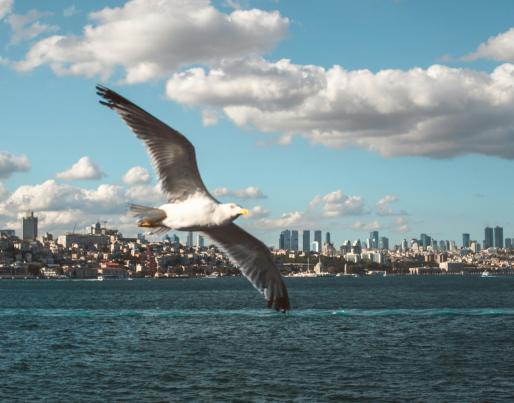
{"x": 281, "y": 304}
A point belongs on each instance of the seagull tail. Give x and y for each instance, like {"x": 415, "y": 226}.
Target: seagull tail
{"x": 149, "y": 217}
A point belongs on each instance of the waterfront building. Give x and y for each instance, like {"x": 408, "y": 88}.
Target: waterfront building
{"x": 306, "y": 238}
{"x": 498, "y": 237}
{"x": 7, "y": 232}
{"x": 384, "y": 243}
{"x": 373, "y": 235}
{"x": 285, "y": 240}
{"x": 85, "y": 241}
{"x": 294, "y": 240}
{"x": 488, "y": 238}
{"x": 29, "y": 227}
{"x": 465, "y": 240}
{"x": 317, "y": 238}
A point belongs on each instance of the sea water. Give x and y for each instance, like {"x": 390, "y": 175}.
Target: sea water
{"x": 367, "y": 338}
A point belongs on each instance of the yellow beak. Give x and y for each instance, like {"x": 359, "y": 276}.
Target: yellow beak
{"x": 244, "y": 211}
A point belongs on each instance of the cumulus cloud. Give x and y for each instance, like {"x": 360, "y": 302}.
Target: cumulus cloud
{"x": 337, "y": 204}
{"x": 436, "y": 112}
{"x": 499, "y": 47}
{"x": 26, "y": 26}
{"x": 250, "y": 192}
{"x": 84, "y": 168}
{"x": 384, "y": 206}
{"x": 209, "y": 118}
{"x": 258, "y": 212}
{"x": 136, "y": 176}
{"x": 370, "y": 226}
{"x": 5, "y": 8}
{"x": 149, "y": 38}
{"x": 10, "y": 163}
{"x": 62, "y": 206}
{"x": 401, "y": 225}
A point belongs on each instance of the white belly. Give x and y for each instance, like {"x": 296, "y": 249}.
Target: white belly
{"x": 192, "y": 213}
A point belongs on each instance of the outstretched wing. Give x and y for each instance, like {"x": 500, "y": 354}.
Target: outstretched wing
{"x": 173, "y": 156}
{"x": 254, "y": 261}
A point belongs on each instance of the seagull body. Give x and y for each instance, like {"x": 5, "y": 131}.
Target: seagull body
{"x": 190, "y": 206}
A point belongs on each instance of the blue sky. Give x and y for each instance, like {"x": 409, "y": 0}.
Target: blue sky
{"x": 345, "y": 116}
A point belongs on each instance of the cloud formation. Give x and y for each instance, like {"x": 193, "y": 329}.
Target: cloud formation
{"x": 26, "y": 26}
{"x": 384, "y": 206}
{"x": 10, "y": 164}
{"x": 437, "y": 112}
{"x": 250, "y": 192}
{"x": 136, "y": 176}
{"x": 370, "y": 226}
{"x": 60, "y": 205}
{"x": 149, "y": 38}
{"x": 5, "y": 8}
{"x": 499, "y": 48}
{"x": 337, "y": 204}
{"x": 84, "y": 169}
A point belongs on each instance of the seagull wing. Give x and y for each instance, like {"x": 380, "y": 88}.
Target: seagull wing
{"x": 173, "y": 156}
{"x": 255, "y": 262}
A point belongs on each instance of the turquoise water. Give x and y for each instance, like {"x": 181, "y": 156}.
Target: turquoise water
{"x": 375, "y": 339}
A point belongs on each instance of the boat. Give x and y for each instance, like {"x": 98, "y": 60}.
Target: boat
{"x": 486, "y": 274}
{"x": 112, "y": 277}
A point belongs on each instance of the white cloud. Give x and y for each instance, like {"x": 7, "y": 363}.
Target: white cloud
{"x": 136, "y": 176}
{"x": 384, "y": 206}
{"x": 84, "y": 168}
{"x": 258, "y": 212}
{"x": 5, "y": 8}
{"x": 149, "y": 38}
{"x": 25, "y": 26}
{"x": 63, "y": 206}
{"x": 286, "y": 220}
{"x": 209, "y": 118}
{"x": 250, "y": 192}
{"x": 499, "y": 47}
{"x": 3, "y": 192}
{"x": 401, "y": 225}
{"x": 70, "y": 11}
{"x": 370, "y": 226}
{"x": 436, "y": 112}
{"x": 337, "y": 204}
{"x": 10, "y": 163}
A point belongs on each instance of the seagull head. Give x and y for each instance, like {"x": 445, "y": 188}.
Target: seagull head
{"x": 234, "y": 211}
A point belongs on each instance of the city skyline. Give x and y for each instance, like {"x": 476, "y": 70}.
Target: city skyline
{"x": 351, "y": 129}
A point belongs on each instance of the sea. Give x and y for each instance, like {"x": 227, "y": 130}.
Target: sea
{"x": 405, "y": 338}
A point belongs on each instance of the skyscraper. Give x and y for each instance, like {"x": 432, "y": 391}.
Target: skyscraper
{"x": 384, "y": 243}
{"x": 285, "y": 240}
{"x": 189, "y": 239}
{"x": 488, "y": 237}
{"x": 306, "y": 240}
{"x": 425, "y": 240}
{"x": 29, "y": 227}
{"x": 465, "y": 240}
{"x": 294, "y": 240}
{"x": 317, "y": 238}
{"x": 327, "y": 237}
{"x": 373, "y": 235}
{"x": 508, "y": 243}
{"x": 200, "y": 242}
{"x": 498, "y": 237}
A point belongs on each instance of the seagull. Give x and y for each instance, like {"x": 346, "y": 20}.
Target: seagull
{"x": 190, "y": 206}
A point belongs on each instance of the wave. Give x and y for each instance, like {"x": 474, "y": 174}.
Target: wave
{"x": 262, "y": 313}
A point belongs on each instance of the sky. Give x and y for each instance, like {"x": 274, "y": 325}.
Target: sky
{"x": 343, "y": 116}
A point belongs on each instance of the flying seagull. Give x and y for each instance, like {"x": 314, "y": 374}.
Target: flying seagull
{"x": 190, "y": 206}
